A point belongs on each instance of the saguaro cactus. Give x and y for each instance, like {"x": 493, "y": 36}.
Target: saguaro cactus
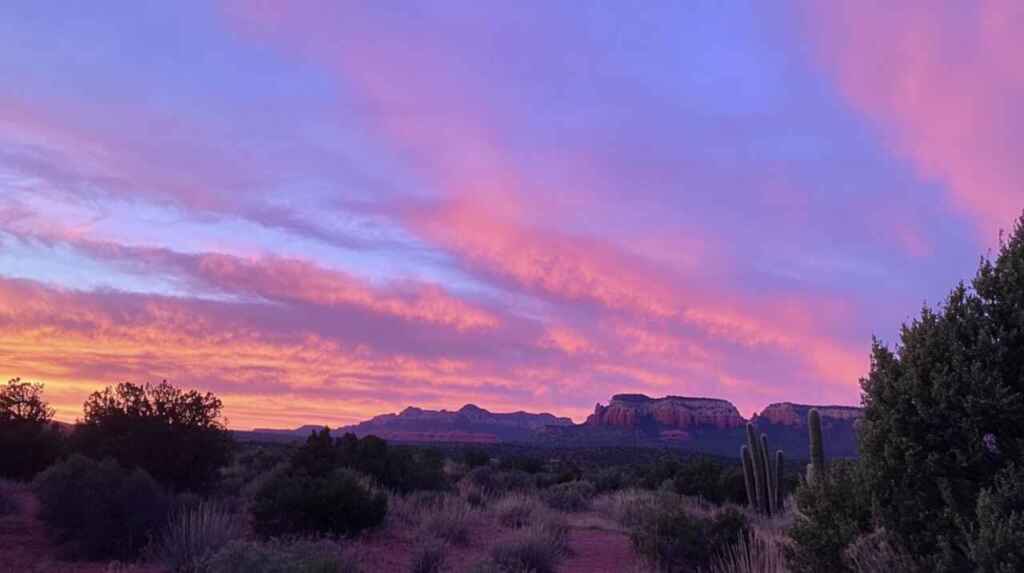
{"x": 769, "y": 476}
{"x": 816, "y": 470}
{"x": 778, "y": 481}
{"x": 760, "y": 483}
{"x": 748, "y": 476}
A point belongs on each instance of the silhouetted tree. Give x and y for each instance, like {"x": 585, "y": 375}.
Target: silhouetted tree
{"x": 177, "y": 436}
{"x": 29, "y": 439}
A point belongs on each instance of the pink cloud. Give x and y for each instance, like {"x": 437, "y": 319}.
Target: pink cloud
{"x": 943, "y": 83}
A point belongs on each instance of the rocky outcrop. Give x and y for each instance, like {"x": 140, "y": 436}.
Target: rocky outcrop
{"x": 789, "y": 414}
{"x": 470, "y": 423}
{"x": 637, "y": 411}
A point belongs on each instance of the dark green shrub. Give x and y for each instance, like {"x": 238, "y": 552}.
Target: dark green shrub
{"x": 99, "y": 509}
{"x": 401, "y": 469}
{"x": 699, "y": 477}
{"x": 571, "y": 496}
{"x": 281, "y": 556}
{"x": 341, "y": 503}
{"x": 997, "y": 540}
{"x": 8, "y": 503}
{"x": 610, "y": 479}
{"x": 943, "y": 410}
{"x": 528, "y": 464}
{"x": 474, "y": 458}
{"x": 177, "y": 436}
{"x": 29, "y": 440}
{"x": 830, "y": 515}
{"x": 672, "y": 539}
{"x": 495, "y": 481}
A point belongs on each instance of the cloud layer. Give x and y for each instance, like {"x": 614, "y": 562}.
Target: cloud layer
{"x": 323, "y": 212}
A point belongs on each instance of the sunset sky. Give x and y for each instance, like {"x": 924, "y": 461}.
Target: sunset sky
{"x": 326, "y": 211}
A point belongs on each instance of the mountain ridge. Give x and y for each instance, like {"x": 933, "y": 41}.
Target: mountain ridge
{"x": 700, "y": 424}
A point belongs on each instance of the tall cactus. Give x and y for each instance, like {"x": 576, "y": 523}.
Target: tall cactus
{"x": 760, "y": 486}
{"x": 816, "y": 470}
{"x": 769, "y": 476}
{"x": 778, "y": 481}
{"x": 748, "y": 476}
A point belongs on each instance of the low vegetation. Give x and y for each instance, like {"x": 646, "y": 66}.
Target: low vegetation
{"x": 100, "y": 509}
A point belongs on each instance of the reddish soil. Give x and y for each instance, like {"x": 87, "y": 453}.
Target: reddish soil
{"x": 25, "y": 547}
{"x": 598, "y": 545}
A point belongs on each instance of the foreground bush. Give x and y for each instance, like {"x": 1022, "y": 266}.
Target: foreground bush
{"x": 672, "y": 539}
{"x": 281, "y": 557}
{"x": 829, "y": 517}
{"x": 943, "y": 413}
{"x": 177, "y": 436}
{"x": 194, "y": 534}
{"x": 452, "y": 521}
{"x": 99, "y": 509}
{"x": 631, "y": 507}
{"x": 342, "y": 503}
{"x": 29, "y": 439}
{"x": 538, "y": 548}
{"x": 569, "y": 496}
{"x": 754, "y": 553}
{"x": 997, "y": 541}
{"x": 517, "y": 510}
{"x": 8, "y": 503}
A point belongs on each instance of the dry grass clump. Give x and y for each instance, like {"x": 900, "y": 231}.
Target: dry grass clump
{"x": 518, "y": 510}
{"x": 281, "y": 556}
{"x": 193, "y": 535}
{"x": 537, "y": 548}
{"x": 429, "y": 557}
{"x": 630, "y": 507}
{"x": 752, "y": 553}
{"x": 452, "y": 521}
{"x": 878, "y": 552}
{"x": 570, "y": 496}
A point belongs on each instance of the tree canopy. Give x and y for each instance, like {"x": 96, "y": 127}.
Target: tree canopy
{"x": 177, "y": 436}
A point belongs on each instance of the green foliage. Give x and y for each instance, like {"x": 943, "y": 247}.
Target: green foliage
{"x": 100, "y": 509}
{"x": 996, "y": 542}
{"x": 29, "y": 440}
{"x": 943, "y": 410}
{"x": 177, "y": 436}
{"x": 399, "y": 469}
{"x": 495, "y": 481}
{"x": 194, "y": 534}
{"x": 341, "y": 503}
{"x": 474, "y": 458}
{"x": 829, "y": 518}
{"x": 569, "y": 496}
{"x": 281, "y": 556}
{"x": 610, "y": 479}
{"x": 672, "y": 539}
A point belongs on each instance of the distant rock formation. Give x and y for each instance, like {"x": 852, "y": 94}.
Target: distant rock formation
{"x": 637, "y": 411}
{"x": 697, "y": 424}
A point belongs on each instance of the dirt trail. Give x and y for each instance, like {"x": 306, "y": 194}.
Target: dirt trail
{"x": 599, "y": 546}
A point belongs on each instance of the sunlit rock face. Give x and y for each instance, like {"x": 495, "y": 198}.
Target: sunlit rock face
{"x": 789, "y": 414}
{"x": 633, "y": 411}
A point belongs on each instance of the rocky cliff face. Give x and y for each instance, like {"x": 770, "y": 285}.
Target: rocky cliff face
{"x": 469, "y": 423}
{"x": 636, "y": 411}
{"x": 789, "y": 414}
